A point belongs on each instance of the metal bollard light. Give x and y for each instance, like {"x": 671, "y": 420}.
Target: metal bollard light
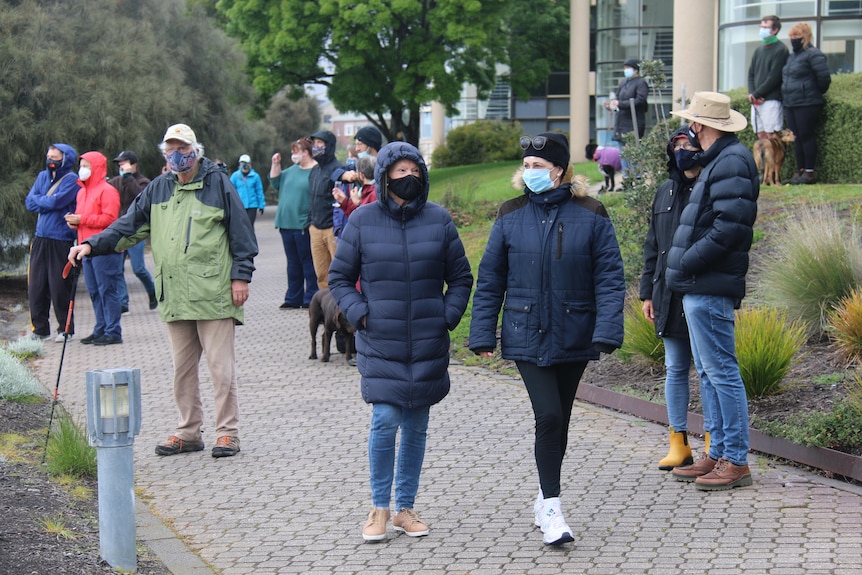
{"x": 113, "y": 420}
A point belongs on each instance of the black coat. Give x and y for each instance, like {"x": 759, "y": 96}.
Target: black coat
{"x": 805, "y": 78}
{"x": 636, "y": 89}
{"x": 709, "y": 254}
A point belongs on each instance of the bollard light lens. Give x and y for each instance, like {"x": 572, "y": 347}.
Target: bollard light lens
{"x": 114, "y": 408}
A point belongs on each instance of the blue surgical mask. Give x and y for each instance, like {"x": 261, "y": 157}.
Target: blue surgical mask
{"x": 765, "y": 33}
{"x": 361, "y": 155}
{"x": 628, "y": 72}
{"x": 538, "y": 180}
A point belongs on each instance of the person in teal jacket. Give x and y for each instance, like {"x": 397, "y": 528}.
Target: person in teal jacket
{"x": 203, "y": 248}
{"x": 249, "y": 186}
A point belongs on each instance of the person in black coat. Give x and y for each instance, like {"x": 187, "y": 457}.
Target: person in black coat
{"x": 660, "y": 305}
{"x": 805, "y": 79}
{"x": 404, "y": 250}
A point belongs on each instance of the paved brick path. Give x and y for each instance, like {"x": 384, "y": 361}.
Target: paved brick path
{"x": 294, "y": 499}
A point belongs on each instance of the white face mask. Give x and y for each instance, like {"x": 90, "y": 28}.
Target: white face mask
{"x": 296, "y": 158}
{"x": 84, "y": 174}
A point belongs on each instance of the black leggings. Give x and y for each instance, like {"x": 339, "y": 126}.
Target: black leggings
{"x": 803, "y": 122}
{"x": 552, "y": 393}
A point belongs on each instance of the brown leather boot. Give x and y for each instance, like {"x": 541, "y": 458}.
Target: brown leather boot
{"x": 702, "y": 466}
{"x": 725, "y": 475}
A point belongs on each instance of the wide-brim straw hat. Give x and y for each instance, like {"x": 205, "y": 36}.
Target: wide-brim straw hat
{"x": 713, "y": 109}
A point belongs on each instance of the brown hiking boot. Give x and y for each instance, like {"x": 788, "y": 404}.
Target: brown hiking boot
{"x": 702, "y": 466}
{"x": 226, "y": 446}
{"x": 375, "y": 526}
{"x": 725, "y": 475}
{"x": 175, "y": 445}
{"x": 407, "y": 521}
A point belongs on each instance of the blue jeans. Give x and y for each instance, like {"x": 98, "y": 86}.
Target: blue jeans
{"x": 713, "y": 344}
{"x": 677, "y": 362}
{"x": 103, "y": 275}
{"x": 136, "y": 256}
{"x": 385, "y": 421}
{"x": 301, "y": 279}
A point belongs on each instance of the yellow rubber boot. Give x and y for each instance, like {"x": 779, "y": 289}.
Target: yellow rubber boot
{"x": 706, "y": 443}
{"x": 680, "y": 451}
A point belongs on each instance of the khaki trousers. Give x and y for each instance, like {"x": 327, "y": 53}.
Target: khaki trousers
{"x": 215, "y": 339}
{"x": 322, "y": 252}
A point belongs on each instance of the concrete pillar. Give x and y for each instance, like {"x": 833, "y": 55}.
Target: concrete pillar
{"x": 695, "y": 43}
{"x": 579, "y": 78}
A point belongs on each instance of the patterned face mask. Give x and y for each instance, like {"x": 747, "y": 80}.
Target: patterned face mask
{"x": 179, "y": 163}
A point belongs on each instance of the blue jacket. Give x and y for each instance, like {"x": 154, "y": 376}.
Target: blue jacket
{"x": 553, "y": 264}
{"x": 709, "y": 254}
{"x": 52, "y": 205}
{"x": 403, "y": 256}
{"x": 250, "y": 189}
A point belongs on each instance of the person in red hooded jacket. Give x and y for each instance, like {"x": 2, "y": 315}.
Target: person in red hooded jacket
{"x": 98, "y": 204}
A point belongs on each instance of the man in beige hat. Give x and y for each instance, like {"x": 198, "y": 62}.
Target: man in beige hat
{"x": 707, "y": 263}
{"x": 202, "y": 277}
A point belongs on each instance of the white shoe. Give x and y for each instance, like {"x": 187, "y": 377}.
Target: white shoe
{"x": 538, "y": 507}
{"x": 61, "y": 337}
{"x": 554, "y": 528}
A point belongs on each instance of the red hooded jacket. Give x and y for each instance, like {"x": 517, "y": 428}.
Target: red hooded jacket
{"x": 98, "y": 201}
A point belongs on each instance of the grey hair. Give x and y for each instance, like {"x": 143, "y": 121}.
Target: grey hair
{"x": 198, "y": 147}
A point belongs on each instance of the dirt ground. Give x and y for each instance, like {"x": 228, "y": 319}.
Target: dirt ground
{"x": 29, "y": 498}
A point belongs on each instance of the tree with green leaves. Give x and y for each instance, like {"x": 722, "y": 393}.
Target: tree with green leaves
{"x": 387, "y": 58}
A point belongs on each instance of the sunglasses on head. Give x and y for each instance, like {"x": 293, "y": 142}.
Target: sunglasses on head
{"x": 538, "y": 142}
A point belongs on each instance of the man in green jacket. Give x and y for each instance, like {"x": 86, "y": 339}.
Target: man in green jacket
{"x": 203, "y": 247}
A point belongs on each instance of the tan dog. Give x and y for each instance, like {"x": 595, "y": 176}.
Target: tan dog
{"x": 769, "y": 156}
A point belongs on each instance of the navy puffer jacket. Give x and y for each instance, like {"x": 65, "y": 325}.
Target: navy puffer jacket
{"x": 553, "y": 263}
{"x": 403, "y": 256}
{"x": 709, "y": 254}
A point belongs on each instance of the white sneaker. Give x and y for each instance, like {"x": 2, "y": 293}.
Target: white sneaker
{"x": 538, "y": 507}
{"x": 61, "y": 337}
{"x": 554, "y": 528}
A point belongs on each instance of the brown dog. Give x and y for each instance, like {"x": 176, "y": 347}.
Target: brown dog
{"x": 324, "y": 310}
{"x": 769, "y": 156}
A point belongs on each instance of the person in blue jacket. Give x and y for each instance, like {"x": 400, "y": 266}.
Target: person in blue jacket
{"x": 249, "y": 186}
{"x": 553, "y": 264}
{"x": 415, "y": 282}
{"x": 52, "y": 196}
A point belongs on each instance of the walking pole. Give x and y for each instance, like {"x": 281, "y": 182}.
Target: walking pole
{"x": 66, "y": 270}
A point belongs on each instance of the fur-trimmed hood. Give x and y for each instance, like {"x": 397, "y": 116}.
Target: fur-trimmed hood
{"x": 580, "y": 185}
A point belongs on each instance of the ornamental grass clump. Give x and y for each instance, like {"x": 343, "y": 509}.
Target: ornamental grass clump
{"x": 766, "y": 343}
{"x": 69, "y": 451}
{"x": 640, "y": 338}
{"x": 845, "y": 326}
{"x": 16, "y": 381}
{"x": 816, "y": 261}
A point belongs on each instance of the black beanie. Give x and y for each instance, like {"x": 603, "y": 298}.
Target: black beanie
{"x": 633, "y": 63}
{"x": 556, "y": 149}
{"x": 370, "y": 136}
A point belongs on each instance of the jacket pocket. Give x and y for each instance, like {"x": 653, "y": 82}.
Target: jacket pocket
{"x": 579, "y": 323}
{"x": 516, "y": 330}
{"x": 203, "y": 281}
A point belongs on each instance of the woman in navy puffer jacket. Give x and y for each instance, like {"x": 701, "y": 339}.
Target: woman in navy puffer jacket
{"x": 404, "y": 250}
{"x": 553, "y": 263}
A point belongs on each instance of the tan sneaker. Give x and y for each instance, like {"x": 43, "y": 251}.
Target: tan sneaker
{"x": 725, "y": 475}
{"x": 375, "y": 526}
{"x": 702, "y": 466}
{"x": 407, "y": 521}
{"x": 226, "y": 446}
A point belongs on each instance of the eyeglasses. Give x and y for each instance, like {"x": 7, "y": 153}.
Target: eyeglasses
{"x": 538, "y": 142}
{"x": 184, "y": 149}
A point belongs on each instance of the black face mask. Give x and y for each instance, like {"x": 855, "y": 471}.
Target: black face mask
{"x": 796, "y": 44}
{"x": 407, "y": 188}
{"x": 692, "y": 136}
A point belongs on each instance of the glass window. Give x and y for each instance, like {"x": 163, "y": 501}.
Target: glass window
{"x": 735, "y": 47}
{"x": 841, "y": 41}
{"x": 425, "y": 125}
{"x": 533, "y": 127}
{"x": 842, "y": 7}
{"x": 731, "y": 11}
{"x": 558, "y": 107}
{"x": 558, "y": 84}
{"x": 534, "y": 108}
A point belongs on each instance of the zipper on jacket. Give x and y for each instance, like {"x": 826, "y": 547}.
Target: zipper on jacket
{"x": 188, "y": 236}
{"x": 560, "y": 241}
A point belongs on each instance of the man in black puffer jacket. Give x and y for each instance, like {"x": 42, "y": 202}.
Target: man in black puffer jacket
{"x": 707, "y": 263}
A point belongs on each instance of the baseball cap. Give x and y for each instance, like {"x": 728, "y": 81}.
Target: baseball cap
{"x": 180, "y": 132}
{"x": 128, "y": 156}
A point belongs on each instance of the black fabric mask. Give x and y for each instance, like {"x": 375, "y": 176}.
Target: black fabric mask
{"x": 692, "y": 136}
{"x": 407, "y": 188}
{"x": 796, "y": 43}
{"x": 686, "y": 159}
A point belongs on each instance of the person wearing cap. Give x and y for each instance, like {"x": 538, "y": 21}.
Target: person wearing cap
{"x": 203, "y": 247}
{"x": 130, "y": 182}
{"x": 764, "y": 79}
{"x": 52, "y": 196}
{"x": 706, "y": 264}
{"x": 249, "y": 186}
{"x": 320, "y": 186}
{"x": 663, "y": 307}
{"x": 632, "y": 89}
{"x": 415, "y": 284}
{"x": 98, "y": 205}
{"x": 553, "y": 264}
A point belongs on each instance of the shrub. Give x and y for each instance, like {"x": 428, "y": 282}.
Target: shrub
{"x": 481, "y": 142}
{"x": 640, "y": 338}
{"x": 845, "y": 326}
{"x": 816, "y": 262}
{"x": 840, "y": 428}
{"x": 765, "y": 346}
{"x": 16, "y": 381}
{"x": 26, "y": 347}
{"x": 854, "y": 393}
{"x": 69, "y": 452}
